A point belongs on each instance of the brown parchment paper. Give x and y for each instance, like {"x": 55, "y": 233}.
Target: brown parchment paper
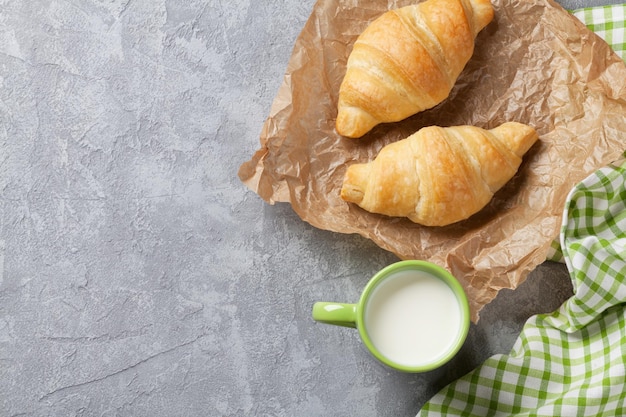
{"x": 535, "y": 64}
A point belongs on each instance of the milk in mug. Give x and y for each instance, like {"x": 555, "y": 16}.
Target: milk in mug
{"x": 412, "y": 317}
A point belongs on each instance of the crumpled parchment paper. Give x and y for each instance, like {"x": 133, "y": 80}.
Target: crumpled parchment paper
{"x": 534, "y": 63}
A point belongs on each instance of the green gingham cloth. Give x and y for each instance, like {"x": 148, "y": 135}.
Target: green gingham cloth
{"x": 571, "y": 362}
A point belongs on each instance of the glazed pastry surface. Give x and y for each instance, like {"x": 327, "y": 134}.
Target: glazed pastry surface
{"x": 439, "y": 176}
{"x": 406, "y": 61}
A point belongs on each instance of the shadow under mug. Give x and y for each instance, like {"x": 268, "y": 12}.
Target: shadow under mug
{"x": 412, "y": 316}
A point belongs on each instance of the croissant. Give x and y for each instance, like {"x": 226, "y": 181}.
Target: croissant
{"x": 406, "y": 61}
{"x": 439, "y": 176}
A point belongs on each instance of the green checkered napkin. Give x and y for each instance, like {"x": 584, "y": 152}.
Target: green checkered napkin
{"x": 571, "y": 362}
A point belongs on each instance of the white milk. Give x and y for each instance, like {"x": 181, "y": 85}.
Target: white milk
{"x": 413, "y": 318}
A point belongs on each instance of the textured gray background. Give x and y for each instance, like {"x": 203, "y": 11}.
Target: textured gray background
{"x": 138, "y": 276}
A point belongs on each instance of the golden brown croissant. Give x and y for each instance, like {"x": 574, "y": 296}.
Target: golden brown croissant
{"x": 439, "y": 176}
{"x": 408, "y": 60}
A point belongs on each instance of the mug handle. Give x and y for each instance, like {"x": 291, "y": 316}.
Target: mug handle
{"x": 339, "y": 314}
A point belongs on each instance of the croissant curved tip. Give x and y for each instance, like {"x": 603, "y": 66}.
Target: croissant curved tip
{"x": 483, "y": 14}
{"x": 354, "y": 183}
{"x": 354, "y": 122}
{"x": 520, "y": 137}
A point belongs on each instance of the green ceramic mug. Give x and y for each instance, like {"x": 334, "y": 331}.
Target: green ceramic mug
{"x": 412, "y": 316}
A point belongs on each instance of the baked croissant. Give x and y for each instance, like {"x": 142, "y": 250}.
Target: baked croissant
{"x": 439, "y": 176}
{"x": 406, "y": 61}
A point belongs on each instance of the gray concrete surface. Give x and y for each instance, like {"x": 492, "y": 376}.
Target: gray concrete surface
{"x": 138, "y": 276}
